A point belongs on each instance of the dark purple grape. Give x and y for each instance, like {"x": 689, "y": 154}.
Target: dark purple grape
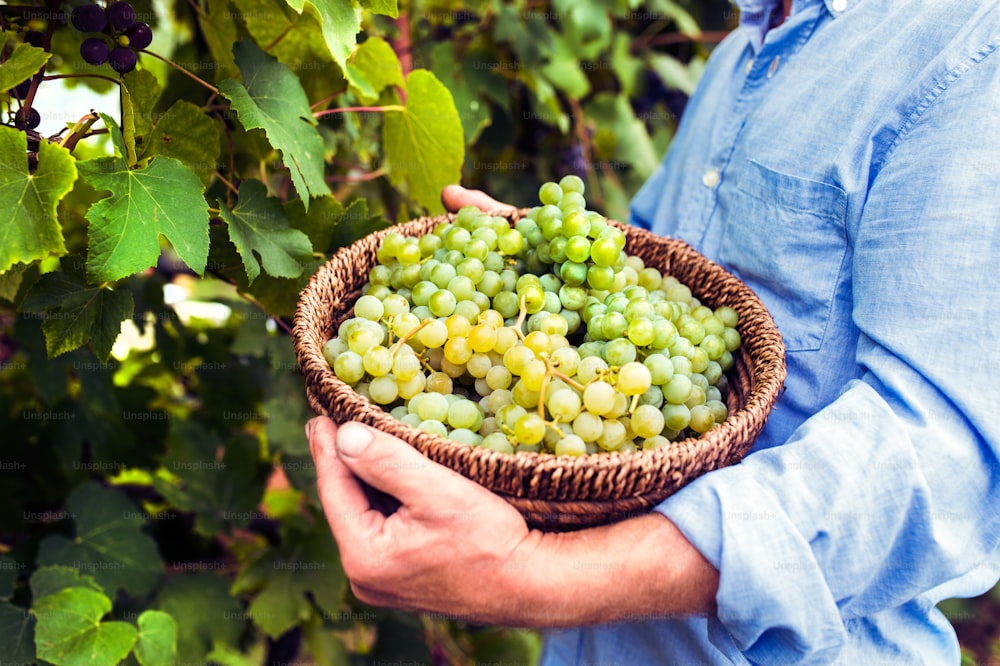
{"x": 120, "y": 14}
{"x": 140, "y": 35}
{"x": 89, "y": 18}
{"x": 94, "y": 51}
{"x": 34, "y": 37}
{"x": 20, "y": 91}
{"x": 122, "y": 59}
{"x": 27, "y": 121}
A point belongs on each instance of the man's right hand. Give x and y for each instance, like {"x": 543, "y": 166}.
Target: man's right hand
{"x": 455, "y": 197}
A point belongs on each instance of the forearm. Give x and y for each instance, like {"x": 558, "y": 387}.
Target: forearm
{"x": 636, "y": 569}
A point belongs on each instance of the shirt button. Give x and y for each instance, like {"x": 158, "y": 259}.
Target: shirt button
{"x": 710, "y": 178}
{"x": 839, "y": 5}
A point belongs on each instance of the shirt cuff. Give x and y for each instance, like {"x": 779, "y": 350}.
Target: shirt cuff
{"x": 773, "y": 600}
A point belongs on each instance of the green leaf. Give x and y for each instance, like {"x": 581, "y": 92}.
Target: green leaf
{"x": 157, "y": 644}
{"x": 674, "y": 73}
{"x": 164, "y": 197}
{"x": 139, "y": 93}
{"x": 78, "y": 313}
{"x": 185, "y": 133}
{"x": 385, "y": 7}
{"x": 466, "y": 83}
{"x": 49, "y": 580}
{"x": 69, "y": 631}
{"x": 563, "y": 70}
{"x": 221, "y": 493}
{"x": 109, "y": 542}
{"x": 258, "y": 227}
{"x": 220, "y": 32}
{"x": 319, "y": 222}
{"x": 204, "y": 612}
{"x": 8, "y": 575}
{"x": 423, "y": 143}
{"x": 306, "y": 566}
{"x": 376, "y": 64}
{"x": 32, "y": 230}
{"x": 23, "y": 62}
{"x": 271, "y": 98}
{"x": 17, "y": 634}
{"x": 341, "y": 23}
{"x": 621, "y": 136}
{"x": 627, "y": 67}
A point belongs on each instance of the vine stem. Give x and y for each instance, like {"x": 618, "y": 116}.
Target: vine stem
{"x": 53, "y": 77}
{"x": 370, "y": 109}
{"x": 78, "y": 130}
{"x": 183, "y": 71}
{"x": 225, "y": 181}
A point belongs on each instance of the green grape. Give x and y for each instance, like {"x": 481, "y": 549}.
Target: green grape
{"x": 572, "y": 201}
{"x": 727, "y": 316}
{"x": 440, "y": 382}
{"x": 600, "y": 277}
{"x": 412, "y": 386}
{"x": 599, "y": 397}
{"x": 550, "y": 193}
{"x": 511, "y": 242}
{"x": 613, "y": 435}
{"x": 647, "y": 421}
{"x": 529, "y": 428}
{"x": 442, "y": 303}
{"x": 349, "y": 367}
{"x": 377, "y": 361}
{"x": 498, "y": 377}
{"x": 677, "y": 390}
{"x": 731, "y": 338}
{"x": 383, "y": 390}
{"x": 464, "y": 414}
{"x": 634, "y": 378}
{"x": 588, "y": 426}
{"x": 433, "y": 334}
{"x": 571, "y": 445}
{"x": 433, "y": 427}
{"x": 702, "y": 419}
{"x": 660, "y": 368}
{"x": 657, "y": 442}
{"x": 497, "y": 442}
{"x": 619, "y": 352}
{"x": 676, "y": 416}
{"x": 564, "y": 405}
{"x": 333, "y": 348}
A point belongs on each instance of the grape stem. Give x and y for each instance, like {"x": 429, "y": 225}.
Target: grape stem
{"x": 360, "y": 109}
{"x": 522, "y": 313}
{"x": 53, "y": 77}
{"x": 409, "y": 334}
{"x": 78, "y": 131}
{"x": 183, "y": 71}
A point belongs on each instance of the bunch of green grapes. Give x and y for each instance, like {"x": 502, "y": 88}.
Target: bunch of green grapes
{"x": 544, "y": 336}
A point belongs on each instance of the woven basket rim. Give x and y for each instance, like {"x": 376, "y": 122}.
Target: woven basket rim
{"x": 534, "y": 469}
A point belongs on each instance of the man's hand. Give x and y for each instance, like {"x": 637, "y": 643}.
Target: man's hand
{"x": 455, "y": 548}
{"x": 455, "y": 196}
{"x": 452, "y": 547}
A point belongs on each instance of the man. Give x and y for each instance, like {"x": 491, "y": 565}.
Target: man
{"x": 842, "y": 157}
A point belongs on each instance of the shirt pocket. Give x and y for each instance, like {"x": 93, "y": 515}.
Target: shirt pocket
{"x": 784, "y": 237}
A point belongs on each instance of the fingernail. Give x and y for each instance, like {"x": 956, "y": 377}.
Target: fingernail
{"x": 353, "y": 439}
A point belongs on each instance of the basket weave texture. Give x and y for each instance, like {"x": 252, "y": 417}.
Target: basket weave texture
{"x": 561, "y": 492}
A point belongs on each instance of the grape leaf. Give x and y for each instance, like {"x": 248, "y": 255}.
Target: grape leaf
{"x": 258, "y": 227}
{"x": 423, "y": 143}
{"x": 467, "y": 83}
{"x": 23, "y": 62}
{"x": 77, "y": 312}
{"x": 109, "y": 542}
{"x": 271, "y": 98}
{"x": 185, "y": 133}
{"x": 386, "y": 7}
{"x": 220, "y": 31}
{"x": 341, "y": 23}
{"x": 157, "y": 644}
{"x": 69, "y": 631}
{"x": 621, "y": 136}
{"x": 220, "y": 493}
{"x": 674, "y": 73}
{"x": 17, "y": 634}
{"x": 376, "y": 64}
{"x": 204, "y": 612}
{"x": 306, "y": 566}
{"x": 32, "y": 230}
{"x": 139, "y": 93}
{"x": 49, "y": 580}
{"x": 164, "y": 197}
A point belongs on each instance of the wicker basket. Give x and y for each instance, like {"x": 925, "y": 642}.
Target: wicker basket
{"x": 561, "y": 492}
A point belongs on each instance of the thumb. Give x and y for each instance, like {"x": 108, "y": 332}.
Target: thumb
{"x": 397, "y": 469}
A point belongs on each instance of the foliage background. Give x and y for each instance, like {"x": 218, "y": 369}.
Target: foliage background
{"x": 157, "y": 500}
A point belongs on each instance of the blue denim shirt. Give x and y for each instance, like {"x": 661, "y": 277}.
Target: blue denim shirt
{"x": 846, "y": 166}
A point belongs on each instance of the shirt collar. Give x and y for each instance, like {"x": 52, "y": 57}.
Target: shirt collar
{"x": 759, "y": 16}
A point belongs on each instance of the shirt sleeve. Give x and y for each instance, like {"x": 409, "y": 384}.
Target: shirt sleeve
{"x": 888, "y": 496}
